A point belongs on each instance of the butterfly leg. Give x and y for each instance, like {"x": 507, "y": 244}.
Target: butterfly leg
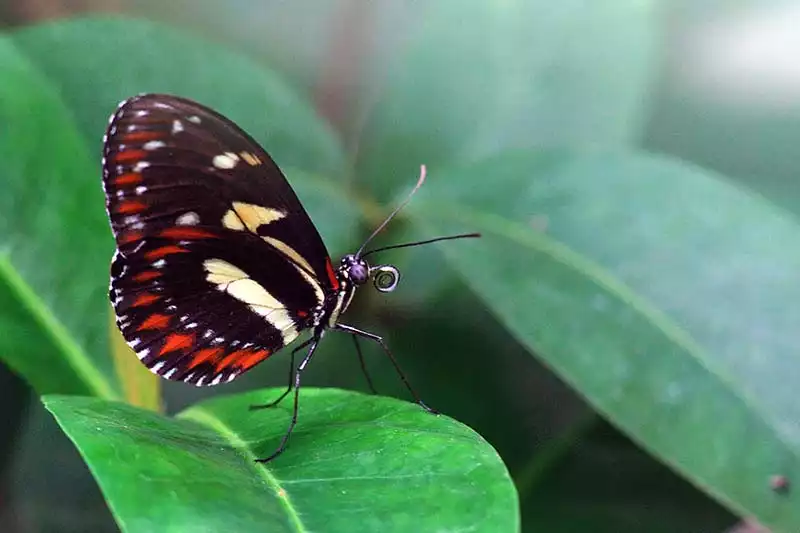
{"x": 278, "y": 400}
{"x": 363, "y": 364}
{"x": 314, "y": 341}
{"x": 371, "y": 336}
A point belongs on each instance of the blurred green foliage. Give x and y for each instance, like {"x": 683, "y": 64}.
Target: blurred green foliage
{"x": 660, "y": 292}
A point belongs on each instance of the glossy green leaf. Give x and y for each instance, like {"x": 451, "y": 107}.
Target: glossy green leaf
{"x": 355, "y": 463}
{"x": 117, "y": 58}
{"x": 662, "y": 293}
{"x": 52, "y": 296}
{"x": 475, "y": 77}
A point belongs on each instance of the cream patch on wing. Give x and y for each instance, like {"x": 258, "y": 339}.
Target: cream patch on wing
{"x": 234, "y": 281}
{"x": 250, "y": 216}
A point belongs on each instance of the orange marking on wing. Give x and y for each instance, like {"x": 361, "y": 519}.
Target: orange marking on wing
{"x": 147, "y": 275}
{"x": 129, "y": 237}
{"x": 302, "y": 314}
{"x": 205, "y": 355}
{"x": 141, "y": 136}
{"x": 186, "y": 233}
{"x": 177, "y": 341}
{"x": 131, "y": 178}
{"x": 158, "y": 253}
{"x": 129, "y": 155}
{"x": 131, "y": 206}
{"x": 230, "y": 359}
{"x": 145, "y": 299}
{"x": 331, "y": 274}
{"x": 155, "y": 321}
{"x": 251, "y": 360}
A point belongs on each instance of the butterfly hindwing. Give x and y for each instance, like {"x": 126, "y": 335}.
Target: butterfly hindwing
{"x": 218, "y": 265}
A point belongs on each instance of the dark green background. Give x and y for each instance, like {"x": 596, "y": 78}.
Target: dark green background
{"x": 640, "y": 237}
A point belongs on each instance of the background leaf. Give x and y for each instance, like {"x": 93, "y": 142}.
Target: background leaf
{"x": 473, "y": 78}
{"x": 355, "y": 463}
{"x": 708, "y": 393}
{"x": 163, "y": 59}
{"x": 51, "y": 297}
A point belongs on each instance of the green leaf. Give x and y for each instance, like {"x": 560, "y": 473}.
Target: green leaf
{"x": 117, "y": 58}
{"x": 54, "y": 252}
{"x": 477, "y": 77}
{"x": 354, "y": 463}
{"x": 663, "y": 294}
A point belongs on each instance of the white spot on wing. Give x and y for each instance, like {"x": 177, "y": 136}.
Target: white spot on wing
{"x": 216, "y": 380}
{"x": 158, "y": 366}
{"x": 141, "y": 189}
{"x": 194, "y": 119}
{"x": 153, "y": 145}
{"x": 141, "y": 165}
{"x": 225, "y": 161}
{"x": 143, "y": 353}
{"x": 160, "y": 263}
{"x": 171, "y": 373}
{"x": 190, "y": 218}
{"x": 177, "y": 127}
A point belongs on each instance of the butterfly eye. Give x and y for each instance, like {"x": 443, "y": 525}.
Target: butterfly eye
{"x": 385, "y": 277}
{"x": 358, "y": 272}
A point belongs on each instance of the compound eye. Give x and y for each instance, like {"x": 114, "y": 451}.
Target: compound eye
{"x": 385, "y": 277}
{"x": 358, "y": 273}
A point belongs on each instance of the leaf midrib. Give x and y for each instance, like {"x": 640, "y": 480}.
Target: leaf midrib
{"x": 201, "y": 416}
{"x": 75, "y": 356}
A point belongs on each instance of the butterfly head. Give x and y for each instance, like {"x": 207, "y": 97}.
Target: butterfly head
{"x": 356, "y": 270}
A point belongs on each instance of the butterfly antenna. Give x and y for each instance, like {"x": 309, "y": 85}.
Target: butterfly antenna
{"x": 397, "y": 209}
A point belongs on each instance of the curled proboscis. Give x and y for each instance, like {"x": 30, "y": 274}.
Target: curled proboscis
{"x": 385, "y": 277}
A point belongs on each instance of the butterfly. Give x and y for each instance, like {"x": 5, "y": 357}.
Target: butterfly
{"x": 218, "y": 265}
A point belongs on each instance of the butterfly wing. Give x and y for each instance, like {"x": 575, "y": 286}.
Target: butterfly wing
{"x": 218, "y": 265}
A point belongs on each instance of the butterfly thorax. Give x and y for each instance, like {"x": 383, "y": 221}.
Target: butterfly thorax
{"x": 353, "y": 272}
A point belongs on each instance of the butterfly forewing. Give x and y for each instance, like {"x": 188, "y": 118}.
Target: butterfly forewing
{"x": 218, "y": 264}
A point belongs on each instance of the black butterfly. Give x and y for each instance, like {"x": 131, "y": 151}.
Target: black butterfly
{"x": 218, "y": 266}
